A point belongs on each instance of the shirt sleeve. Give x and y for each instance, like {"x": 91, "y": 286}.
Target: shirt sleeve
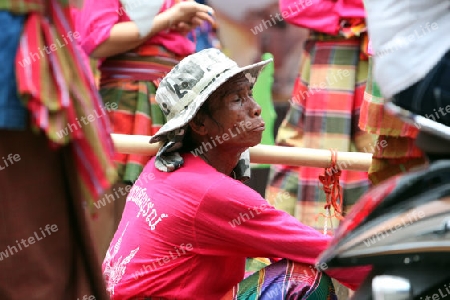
{"x": 235, "y": 220}
{"x": 94, "y": 22}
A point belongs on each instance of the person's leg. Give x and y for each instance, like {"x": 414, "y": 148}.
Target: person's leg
{"x": 284, "y": 280}
{"x": 46, "y": 250}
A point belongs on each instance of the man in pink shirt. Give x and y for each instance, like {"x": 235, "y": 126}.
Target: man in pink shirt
{"x": 189, "y": 222}
{"x": 137, "y": 42}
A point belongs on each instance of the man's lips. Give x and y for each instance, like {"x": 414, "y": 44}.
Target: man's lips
{"x": 259, "y": 127}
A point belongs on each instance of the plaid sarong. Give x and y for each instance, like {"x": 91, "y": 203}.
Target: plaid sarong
{"x": 58, "y": 91}
{"x": 130, "y": 80}
{"x": 284, "y": 280}
{"x": 399, "y": 153}
{"x": 324, "y": 114}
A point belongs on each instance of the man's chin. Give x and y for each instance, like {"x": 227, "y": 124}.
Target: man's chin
{"x": 253, "y": 144}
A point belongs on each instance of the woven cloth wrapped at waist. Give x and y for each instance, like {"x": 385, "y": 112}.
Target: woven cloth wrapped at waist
{"x": 146, "y": 63}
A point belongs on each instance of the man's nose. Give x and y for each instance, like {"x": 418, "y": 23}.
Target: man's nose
{"x": 255, "y": 107}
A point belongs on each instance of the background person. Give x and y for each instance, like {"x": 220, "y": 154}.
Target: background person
{"x": 324, "y": 108}
{"x": 325, "y": 104}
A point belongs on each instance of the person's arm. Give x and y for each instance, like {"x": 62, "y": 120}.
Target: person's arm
{"x": 234, "y": 220}
{"x": 102, "y": 35}
{"x": 125, "y": 36}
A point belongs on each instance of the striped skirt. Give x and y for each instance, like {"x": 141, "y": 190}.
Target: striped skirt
{"x": 324, "y": 114}
{"x": 395, "y": 151}
{"x": 284, "y": 280}
{"x": 130, "y": 81}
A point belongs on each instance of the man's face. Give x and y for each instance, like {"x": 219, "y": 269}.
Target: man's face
{"x": 235, "y": 113}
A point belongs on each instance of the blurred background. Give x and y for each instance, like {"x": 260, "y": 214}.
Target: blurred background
{"x": 238, "y": 24}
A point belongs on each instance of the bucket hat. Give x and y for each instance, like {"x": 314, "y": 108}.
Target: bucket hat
{"x": 188, "y": 85}
{"x": 183, "y": 91}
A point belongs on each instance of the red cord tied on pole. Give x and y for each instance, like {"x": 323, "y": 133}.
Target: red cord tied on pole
{"x": 333, "y": 192}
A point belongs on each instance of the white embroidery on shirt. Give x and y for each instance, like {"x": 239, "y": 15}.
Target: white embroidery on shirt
{"x": 139, "y": 196}
{"x": 115, "y": 268}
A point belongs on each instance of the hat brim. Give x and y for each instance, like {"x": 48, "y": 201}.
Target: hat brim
{"x": 188, "y": 114}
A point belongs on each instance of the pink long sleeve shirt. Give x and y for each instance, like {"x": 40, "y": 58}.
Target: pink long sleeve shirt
{"x": 186, "y": 234}
{"x": 95, "y": 20}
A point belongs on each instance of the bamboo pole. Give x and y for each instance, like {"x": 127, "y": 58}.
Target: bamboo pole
{"x": 262, "y": 154}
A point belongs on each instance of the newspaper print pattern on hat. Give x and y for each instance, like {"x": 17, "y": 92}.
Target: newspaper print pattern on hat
{"x": 180, "y": 95}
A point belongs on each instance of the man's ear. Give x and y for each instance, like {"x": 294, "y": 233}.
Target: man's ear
{"x": 197, "y": 125}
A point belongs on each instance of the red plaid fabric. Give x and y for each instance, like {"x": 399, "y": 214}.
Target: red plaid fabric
{"x": 398, "y": 152}
{"x": 324, "y": 114}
